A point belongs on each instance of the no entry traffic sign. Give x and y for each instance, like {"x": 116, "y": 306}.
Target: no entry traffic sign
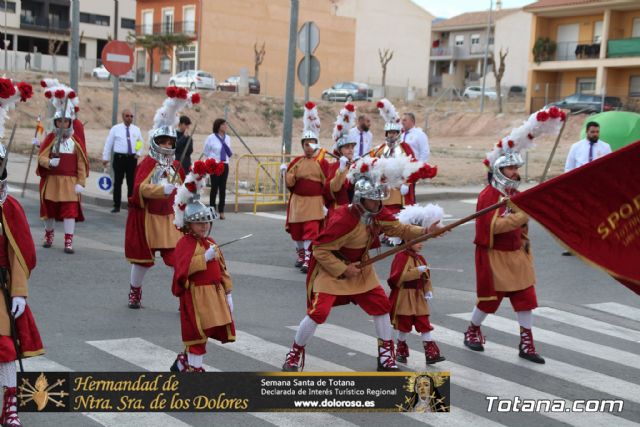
{"x": 117, "y": 57}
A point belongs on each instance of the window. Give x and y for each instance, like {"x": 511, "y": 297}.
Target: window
{"x": 597, "y": 32}
{"x": 634, "y": 86}
{"x": 147, "y": 22}
{"x": 189, "y": 16}
{"x": 167, "y": 20}
{"x": 475, "y": 39}
{"x": 10, "y": 5}
{"x": 90, "y": 18}
{"x": 635, "y": 32}
{"x": 459, "y": 40}
{"x": 586, "y": 86}
{"x": 186, "y": 56}
{"x": 127, "y": 23}
{"x": 165, "y": 65}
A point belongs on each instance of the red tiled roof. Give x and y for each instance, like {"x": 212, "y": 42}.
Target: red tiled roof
{"x": 473, "y": 18}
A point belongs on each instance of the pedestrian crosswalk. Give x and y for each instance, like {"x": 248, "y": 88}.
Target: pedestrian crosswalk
{"x": 508, "y": 376}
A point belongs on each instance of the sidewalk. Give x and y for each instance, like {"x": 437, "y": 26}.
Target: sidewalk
{"x": 94, "y": 196}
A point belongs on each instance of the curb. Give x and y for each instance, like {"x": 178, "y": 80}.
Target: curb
{"x": 248, "y": 207}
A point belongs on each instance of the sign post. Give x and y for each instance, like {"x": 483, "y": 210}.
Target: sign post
{"x": 309, "y": 66}
{"x": 117, "y": 58}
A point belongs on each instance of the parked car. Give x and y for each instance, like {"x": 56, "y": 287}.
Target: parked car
{"x": 103, "y": 74}
{"x": 588, "y": 103}
{"x": 231, "y": 85}
{"x": 348, "y": 91}
{"x": 193, "y": 79}
{"x": 516, "y": 91}
{"x": 473, "y": 92}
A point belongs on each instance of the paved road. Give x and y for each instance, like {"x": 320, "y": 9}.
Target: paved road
{"x": 589, "y": 329}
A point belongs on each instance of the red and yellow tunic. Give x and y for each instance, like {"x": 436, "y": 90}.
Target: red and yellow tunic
{"x": 344, "y": 240}
{"x": 202, "y": 287}
{"x": 305, "y": 180}
{"x": 408, "y": 286}
{"x": 57, "y": 185}
{"x": 150, "y": 219}
{"x": 396, "y": 199}
{"x": 18, "y": 257}
{"x": 338, "y": 191}
{"x": 503, "y": 260}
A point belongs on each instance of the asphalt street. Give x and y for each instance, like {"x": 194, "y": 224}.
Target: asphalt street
{"x": 589, "y": 329}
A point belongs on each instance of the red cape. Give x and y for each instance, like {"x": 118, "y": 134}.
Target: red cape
{"x": 484, "y": 241}
{"x": 397, "y": 268}
{"x": 16, "y": 228}
{"x": 136, "y": 248}
{"x": 341, "y": 197}
{"x": 185, "y": 248}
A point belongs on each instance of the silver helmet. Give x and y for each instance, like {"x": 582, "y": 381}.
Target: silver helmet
{"x": 68, "y": 114}
{"x": 164, "y": 156}
{"x": 309, "y": 134}
{"x": 344, "y": 141}
{"x": 392, "y": 126}
{"x": 498, "y": 179}
{"x": 198, "y": 212}
{"x": 366, "y": 188}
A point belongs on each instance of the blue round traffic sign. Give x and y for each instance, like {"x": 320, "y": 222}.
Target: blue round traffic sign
{"x": 105, "y": 183}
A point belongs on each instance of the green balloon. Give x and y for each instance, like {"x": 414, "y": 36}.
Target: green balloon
{"x": 617, "y": 128}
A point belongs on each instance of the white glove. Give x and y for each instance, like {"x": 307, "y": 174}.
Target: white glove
{"x": 230, "y": 302}
{"x": 343, "y": 163}
{"x": 283, "y": 167}
{"x": 53, "y": 163}
{"x": 422, "y": 268}
{"x": 79, "y": 189}
{"x": 210, "y": 254}
{"x": 428, "y": 295}
{"x": 35, "y": 141}
{"x": 17, "y": 306}
{"x": 168, "y": 189}
{"x": 404, "y": 189}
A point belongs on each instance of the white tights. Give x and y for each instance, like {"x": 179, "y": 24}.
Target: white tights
{"x": 137, "y": 275}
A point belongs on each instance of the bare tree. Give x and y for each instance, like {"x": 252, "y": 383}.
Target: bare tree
{"x": 498, "y": 75}
{"x": 258, "y": 58}
{"x": 54, "y": 48}
{"x": 385, "y": 57}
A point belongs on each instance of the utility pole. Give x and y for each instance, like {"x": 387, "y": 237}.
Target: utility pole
{"x": 290, "y": 88}
{"x": 6, "y": 66}
{"x": 75, "y": 44}
{"x": 486, "y": 56}
{"x": 115, "y": 79}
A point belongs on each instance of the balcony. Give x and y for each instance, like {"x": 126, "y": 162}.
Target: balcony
{"x": 622, "y": 48}
{"x": 184, "y": 27}
{"x": 479, "y": 49}
{"x": 571, "y": 51}
{"x": 443, "y": 51}
{"x": 31, "y": 22}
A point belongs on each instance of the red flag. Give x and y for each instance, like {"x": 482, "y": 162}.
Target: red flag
{"x": 594, "y": 210}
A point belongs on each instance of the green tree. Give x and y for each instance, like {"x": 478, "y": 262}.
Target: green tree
{"x": 163, "y": 42}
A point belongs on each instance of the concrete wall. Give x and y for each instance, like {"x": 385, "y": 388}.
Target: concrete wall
{"x": 400, "y": 26}
{"x": 513, "y": 32}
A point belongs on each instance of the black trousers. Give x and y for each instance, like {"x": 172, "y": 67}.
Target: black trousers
{"x": 219, "y": 183}
{"x": 123, "y": 164}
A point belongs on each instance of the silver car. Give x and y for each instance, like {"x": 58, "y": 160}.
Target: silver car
{"x": 193, "y": 79}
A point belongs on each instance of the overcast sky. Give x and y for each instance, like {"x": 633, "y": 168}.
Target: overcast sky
{"x": 449, "y": 8}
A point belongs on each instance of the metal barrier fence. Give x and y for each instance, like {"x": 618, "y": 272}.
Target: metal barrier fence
{"x": 257, "y": 176}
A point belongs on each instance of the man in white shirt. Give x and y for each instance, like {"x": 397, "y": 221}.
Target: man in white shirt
{"x": 415, "y": 137}
{"x": 125, "y": 141}
{"x": 585, "y": 151}
{"x": 361, "y": 135}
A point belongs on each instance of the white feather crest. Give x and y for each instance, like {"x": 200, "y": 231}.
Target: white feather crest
{"x": 345, "y": 120}
{"x": 184, "y": 196}
{"x": 388, "y": 111}
{"x": 8, "y": 104}
{"x": 397, "y": 169}
{"x": 311, "y": 119}
{"x": 542, "y": 122}
{"x": 53, "y": 86}
{"x": 364, "y": 165}
{"x": 169, "y": 113}
{"x": 422, "y": 215}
